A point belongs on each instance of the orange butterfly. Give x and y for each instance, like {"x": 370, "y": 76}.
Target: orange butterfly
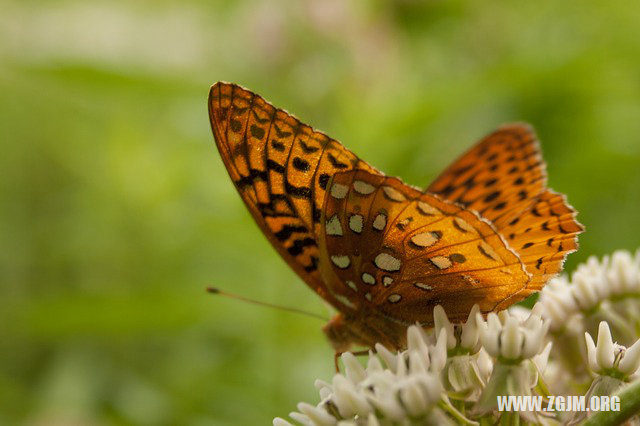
{"x": 383, "y": 253}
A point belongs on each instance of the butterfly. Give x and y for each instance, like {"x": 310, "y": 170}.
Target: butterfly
{"x": 487, "y": 231}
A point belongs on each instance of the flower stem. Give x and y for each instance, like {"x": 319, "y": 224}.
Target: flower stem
{"x": 629, "y": 406}
{"x": 446, "y": 405}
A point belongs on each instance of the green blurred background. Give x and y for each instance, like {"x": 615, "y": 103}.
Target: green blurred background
{"x": 116, "y": 210}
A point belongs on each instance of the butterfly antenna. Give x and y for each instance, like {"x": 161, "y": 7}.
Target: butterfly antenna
{"x": 215, "y": 290}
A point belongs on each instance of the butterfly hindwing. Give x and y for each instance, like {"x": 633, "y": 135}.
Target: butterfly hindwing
{"x": 413, "y": 251}
{"x": 498, "y": 177}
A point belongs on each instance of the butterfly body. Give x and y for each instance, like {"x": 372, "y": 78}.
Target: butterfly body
{"x": 384, "y": 253}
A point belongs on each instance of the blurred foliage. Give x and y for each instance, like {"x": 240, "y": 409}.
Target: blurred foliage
{"x": 116, "y": 210}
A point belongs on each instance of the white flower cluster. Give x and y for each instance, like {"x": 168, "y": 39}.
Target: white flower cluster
{"x": 418, "y": 384}
{"x": 598, "y": 290}
{"x": 453, "y": 373}
{"x": 392, "y": 387}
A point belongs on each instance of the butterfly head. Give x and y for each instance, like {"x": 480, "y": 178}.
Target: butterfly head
{"x": 345, "y": 331}
{"x": 340, "y": 335}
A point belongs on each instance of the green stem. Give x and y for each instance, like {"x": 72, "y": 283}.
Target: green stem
{"x": 629, "y": 406}
{"x": 453, "y": 412}
{"x": 510, "y": 419}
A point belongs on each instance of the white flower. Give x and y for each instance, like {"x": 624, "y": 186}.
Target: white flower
{"x": 484, "y": 363}
{"x": 465, "y": 336}
{"x": 630, "y": 361}
{"x": 407, "y": 386}
{"x": 591, "y": 284}
{"x": 606, "y": 357}
{"x": 513, "y": 339}
{"x": 558, "y": 302}
{"x": 623, "y": 273}
{"x": 542, "y": 358}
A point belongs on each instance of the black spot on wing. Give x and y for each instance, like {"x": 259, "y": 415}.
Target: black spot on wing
{"x": 256, "y": 132}
{"x": 298, "y": 245}
{"x": 300, "y": 164}
{"x": 254, "y": 175}
{"x": 307, "y": 149}
{"x": 287, "y": 230}
{"x": 272, "y": 165}
{"x": 490, "y": 182}
{"x": 335, "y": 163}
{"x": 236, "y": 126}
{"x": 258, "y": 119}
{"x": 323, "y": 180}
{"x": 491, "y": 196}
{"x": 313, "y": 266}
{"x": 277, "y": 145}
{"x": 279, "y": 132}
{"x": 298, "y": 191}
{"x": 501, "y": 205}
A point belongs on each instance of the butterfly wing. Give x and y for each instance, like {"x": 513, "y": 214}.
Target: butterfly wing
{"x": 503, "y": 178}
{"x": 281, "y": 168}
{"x": 401, "y": 252}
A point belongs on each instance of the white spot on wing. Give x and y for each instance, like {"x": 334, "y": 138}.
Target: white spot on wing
{"x": 355, "y": 223}
{"x": 470, "y": 279}
{"x": 424, "y": 239}
{"x": 441, "y": 262}
{"x": 393, "y": 194}
{"x": 428, "y": 209}
{"x": 362, "y": 187}
{"x": 387, "y": 280}
{"x": 487, "y": 250}
{"x": 386, "y": 262}
{"x": 423, "y": 286}
{"x": 368, "y": 279}
{"x": 394, "y": 298}
{"x": 403, "y": 223}
{"x": 463, "y": 225}
{"x": 333, "y": 226}
{"x": 367, "y": 296}
{"x": 380, "y": 222}
{"x": 352, "y": 286}
{"x": 341, "y": 262}
{"x": 339, "y": 190}
{"x": 344, "y": 300}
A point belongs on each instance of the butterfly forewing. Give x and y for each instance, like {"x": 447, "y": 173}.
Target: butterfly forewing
{"x": 281, "y": 168}
{"x": 424, "y": 252}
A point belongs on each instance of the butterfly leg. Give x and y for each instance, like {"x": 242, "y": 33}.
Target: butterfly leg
{"x": 336, "y": 356}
